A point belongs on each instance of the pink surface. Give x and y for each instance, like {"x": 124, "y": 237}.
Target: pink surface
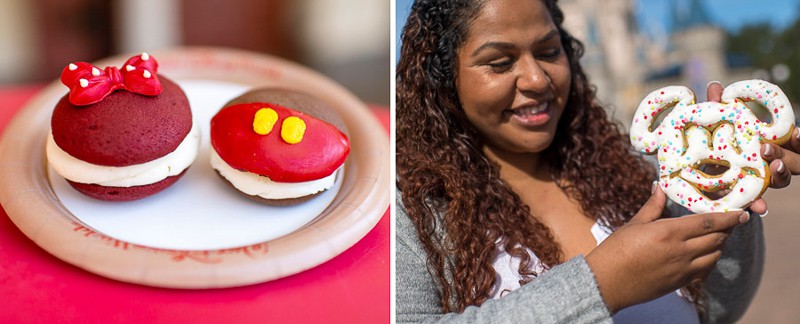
{"x": 37, "y": 287}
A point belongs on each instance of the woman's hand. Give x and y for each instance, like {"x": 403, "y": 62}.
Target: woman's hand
{"x": 784, "y": 162}
{"x": 650, "y": 257}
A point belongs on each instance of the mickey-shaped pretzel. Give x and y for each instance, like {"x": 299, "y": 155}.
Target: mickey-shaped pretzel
{"x": 727, "y": 134}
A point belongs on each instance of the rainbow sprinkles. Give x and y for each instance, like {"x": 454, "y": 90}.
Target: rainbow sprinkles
{"x": 727, "y": 134}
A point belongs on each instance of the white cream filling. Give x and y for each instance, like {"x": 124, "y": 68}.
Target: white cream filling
{"x": 146, "y": 173}
{"x": 257, "y": 185}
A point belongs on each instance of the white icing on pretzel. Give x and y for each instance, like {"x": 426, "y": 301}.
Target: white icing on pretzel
{"x": 726, "y": 134}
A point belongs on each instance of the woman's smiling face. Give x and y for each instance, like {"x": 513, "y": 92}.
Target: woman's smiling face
{"x": 513, "y": 75}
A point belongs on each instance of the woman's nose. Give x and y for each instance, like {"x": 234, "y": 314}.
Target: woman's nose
{"x": 532, "y": 77}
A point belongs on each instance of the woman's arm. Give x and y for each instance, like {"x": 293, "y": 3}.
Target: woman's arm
{"x": 732, "y": 284}
{"x": 567, "y": 293}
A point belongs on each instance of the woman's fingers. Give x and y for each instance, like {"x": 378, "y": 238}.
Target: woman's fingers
{"x": 781, "y": 176}
{"x": 771, "y": 152}
{"x": 701, "y": 224}
{"x": 702, "y": 245}
{"x": 714, "y": 91}
{"x": 783, "y": 163}
{"x": 703, "y": 265}
{"x": 654, "y": 206}
{"x": 759, "y": 206}
{"x": 794, "y": 142}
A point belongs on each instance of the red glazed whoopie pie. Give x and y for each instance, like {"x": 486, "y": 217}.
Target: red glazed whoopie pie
{"x": 278, "y": 146}
{"x": 121, "y": 134}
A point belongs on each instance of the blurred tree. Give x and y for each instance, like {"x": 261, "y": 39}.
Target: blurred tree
{"x": 788, "y": 51}
{"x": 775, "y": 51}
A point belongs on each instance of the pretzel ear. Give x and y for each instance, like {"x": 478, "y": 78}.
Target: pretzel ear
{"x": 643, "y": 135}
{"x": 772, "y": 98}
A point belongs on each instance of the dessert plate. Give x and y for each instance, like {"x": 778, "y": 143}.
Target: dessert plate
{"x": 198, "y": 233}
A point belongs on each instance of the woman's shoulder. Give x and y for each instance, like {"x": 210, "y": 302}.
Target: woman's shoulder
{"x": 405, "y": 230}
{"x": 407, "y": 236}
{"x": 403, "y": 224}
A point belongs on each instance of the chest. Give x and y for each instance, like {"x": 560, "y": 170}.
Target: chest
{"x": 564, "y": 217}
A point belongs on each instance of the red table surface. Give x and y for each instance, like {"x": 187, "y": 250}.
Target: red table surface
{"x": 38, "y": 287}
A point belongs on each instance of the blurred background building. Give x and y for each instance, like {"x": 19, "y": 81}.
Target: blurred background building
{"x": 627, "y": 57}
{"x": 348, "y": 40}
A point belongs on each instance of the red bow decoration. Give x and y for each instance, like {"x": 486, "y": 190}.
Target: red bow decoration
{"x": 89, "y": 85}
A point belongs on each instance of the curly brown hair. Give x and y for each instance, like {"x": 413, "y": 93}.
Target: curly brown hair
{"x": 454, "y": 194}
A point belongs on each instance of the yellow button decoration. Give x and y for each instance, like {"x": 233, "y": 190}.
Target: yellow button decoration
{"x": 264, "y": 121}
{"x": 293, "y": 129}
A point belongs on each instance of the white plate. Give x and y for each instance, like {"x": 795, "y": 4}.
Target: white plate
{"x": 182, "y": 217}
{"x": 198, "y": 233}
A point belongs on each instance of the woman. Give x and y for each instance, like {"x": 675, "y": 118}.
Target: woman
{"x": 509, "y": 175}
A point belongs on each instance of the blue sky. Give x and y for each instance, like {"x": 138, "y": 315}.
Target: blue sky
{"x": 730, "y": 14}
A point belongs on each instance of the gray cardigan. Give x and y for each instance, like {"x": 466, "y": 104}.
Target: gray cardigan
{"x": 568, "y": 293}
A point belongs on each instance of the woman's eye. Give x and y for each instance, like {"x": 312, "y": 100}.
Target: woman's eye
{"x": 500, "y": 65}
{"x": 551, "y": 54}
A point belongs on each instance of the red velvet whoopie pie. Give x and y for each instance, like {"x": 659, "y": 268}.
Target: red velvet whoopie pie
{"x": 121, "y": 133}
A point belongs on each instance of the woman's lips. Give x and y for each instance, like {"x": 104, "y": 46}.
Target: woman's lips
{"x": 532, "y": 115}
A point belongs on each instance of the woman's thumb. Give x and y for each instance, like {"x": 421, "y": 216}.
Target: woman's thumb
{"x": 653, "y": 207}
